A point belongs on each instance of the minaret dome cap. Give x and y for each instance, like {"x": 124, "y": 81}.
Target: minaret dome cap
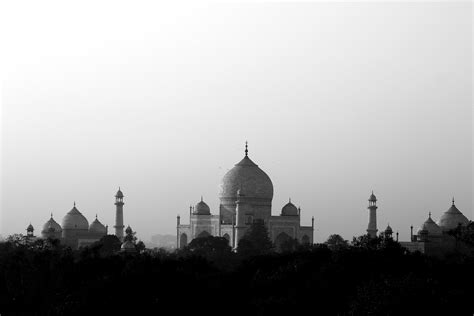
{"x": 372, "y": 197}
{"x": 119, "y": 194}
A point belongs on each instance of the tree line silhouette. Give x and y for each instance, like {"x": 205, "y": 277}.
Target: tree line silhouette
{"x": 368, "y": 276}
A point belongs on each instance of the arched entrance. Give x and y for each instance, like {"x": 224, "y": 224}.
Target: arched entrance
{"x": 305, "y": 240}
{"x": 183, "y": 241}
{"x": 280, "y": 241}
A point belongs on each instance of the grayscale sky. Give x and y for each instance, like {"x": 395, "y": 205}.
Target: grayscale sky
{"x": 335, "y": 99}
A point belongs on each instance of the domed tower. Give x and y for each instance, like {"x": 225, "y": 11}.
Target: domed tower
{"x": 129, "y": 234}
{"x": 119, "y": 215}
{"x": 128, "y": 244}
{"x": 372, "y": 228}
{"x": 452, "y": 218}
{"x": 388, "y": 231}
{"x": 258, "y": 190}
{"x": 75, "y": 226}
{"x": 30, "y": 231}
{"x": 51, "y": 229}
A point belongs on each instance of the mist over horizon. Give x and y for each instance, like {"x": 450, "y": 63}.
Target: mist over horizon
{"x": 335, "y": 100}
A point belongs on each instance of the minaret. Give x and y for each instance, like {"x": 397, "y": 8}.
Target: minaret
{"x": 119, "y": 215}
{"x": 240, "y": 211}
{"x": 178, "y": 223}
{"x": 372, "y": 229}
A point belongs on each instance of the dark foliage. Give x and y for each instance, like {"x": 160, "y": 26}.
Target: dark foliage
{"x": 336, "y": 242}
{"x": 107, "y": 245}
{"x": 255, "y": 241}
{"x": 369, "y": 277}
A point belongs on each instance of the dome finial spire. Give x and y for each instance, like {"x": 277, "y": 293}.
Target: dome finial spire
{"x": 74, "y": 203}
{"x": 453, "y": 200}
{"x": 246, "y": 149}
{"x": 51, "y": 214}
{"x": 201, "y": 198}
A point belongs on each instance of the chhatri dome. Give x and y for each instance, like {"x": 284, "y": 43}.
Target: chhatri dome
{"x": 97, "y": 227}
{"x": 75, "y": 220}
{"x": 452, "y": 218}
{"x": 119, "y": 194}
{"x": 51, "y": 224}
{"x": 289, "y": 209}
{"x": 372, "y": 197}
{"x": 202, "y": 208}
{"x": 246, "y": 174}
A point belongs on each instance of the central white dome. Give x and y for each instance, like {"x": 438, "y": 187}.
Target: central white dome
{"x": 254, "y": 181}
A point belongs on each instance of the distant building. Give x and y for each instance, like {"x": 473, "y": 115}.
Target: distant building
{"x": 245, "y": 196}
{"x": 75, "y": 230}
{"x": 431, "y": 238}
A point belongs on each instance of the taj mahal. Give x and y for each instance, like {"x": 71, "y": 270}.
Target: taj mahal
{"x": 246, "y": 194}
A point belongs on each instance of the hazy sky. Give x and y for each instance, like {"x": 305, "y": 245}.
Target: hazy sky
{"x": 335, "y": 100}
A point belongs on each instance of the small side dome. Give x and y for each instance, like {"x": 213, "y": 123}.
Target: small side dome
{"x": 128, "y": 230}
{"x": 388, "y": 230}
{"x": 202, "y": 208}
{"x": 51, "y": 226}
{"x": 97, "y": 227}
{"x": 430, "y": 227}
{"x": 75, "y": 220}
{"x": 289, "y": 210}
{"x": 422, "y": 232}
{"x": 452, "y": 218}
{"x": 30, "y": 228}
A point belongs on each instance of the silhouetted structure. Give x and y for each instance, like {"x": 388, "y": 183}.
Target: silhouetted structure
{"x": 437, "y": 238}
{"x": 372, "y": 229}
{"x": 75, "y": 230}
{"x": 119, "y": 215}
{"x": 245, "y": 196}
